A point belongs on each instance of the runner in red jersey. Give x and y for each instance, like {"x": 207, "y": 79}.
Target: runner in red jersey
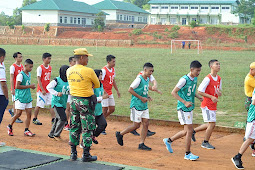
{"x": 15, "y": 69}
{"x": 43, "y": 95}
{"x": 210, "y": 89}
{"x": 108, "y": 80}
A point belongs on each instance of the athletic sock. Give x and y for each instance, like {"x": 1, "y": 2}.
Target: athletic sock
{"x": 34, "y": 119}
{"x": 194, "y": 131}
{"x": 169, "y": 140}
{"x": 52, "y": 120}
{"x": 26, "y": 129}
{"x": 187, "y": 152}
{"x": 205, "y": 141}
{"x": 10, "y": 126}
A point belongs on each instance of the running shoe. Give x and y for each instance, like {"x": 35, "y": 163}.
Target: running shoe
{"x": 119, "y": 138}
{"x": 103, "y": 132}
{"x": 94, "y": 140}
{"x": 18, "y": 120}
{"x": 207, "y": 145}
{"x": 134, "y": 132}
{"x": 11, "y": 112}
{"x": 168, "y": 145}
{"x": 2, "y": 144}
{"x": 253, "y": 153}
{"x": 29, "y": 133}
{"x": 67, "y": 127}
{"x": 150, "y": 133}
{"x": 237, "y": 162}
{"x": 142, "y": 146}
{"x": 9, "y": 131}
{"x": 37, "y": 122}
{"x": 191, "y": 157}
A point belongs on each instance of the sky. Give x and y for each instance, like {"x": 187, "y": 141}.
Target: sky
{"x": 7, "y": 6}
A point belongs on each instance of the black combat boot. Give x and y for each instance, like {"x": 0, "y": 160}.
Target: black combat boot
{"x": 86, "y": 157}
{"x": 73, "y": 155}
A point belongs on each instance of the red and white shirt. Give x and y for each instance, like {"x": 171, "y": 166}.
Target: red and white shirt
{"x": 2, "y": 76}
{"x": 210, "y": 85}
{"x": 108, "y": 76}
{"x": 15, "y": 70}
{"x": 45, "y": 74}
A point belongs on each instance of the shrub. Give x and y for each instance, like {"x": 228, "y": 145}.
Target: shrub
{"x": 137, "y": 31}
{"x": 193, "y": 24}
{"x": 253, "y": 21}
{"x": 47, "y": 27}
{"x": 166, "y": 30}
{"x": 175, "y": 28}
{"x": 245, "y": 39}
{"x": 99, "y": 24}
{"x": 156, "y": 35}
{"x": 174, "y": 35}
{"x": 10, "y": 24}
{"x": 22, "y": 27}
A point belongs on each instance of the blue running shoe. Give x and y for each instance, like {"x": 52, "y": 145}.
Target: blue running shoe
{"x": 168, "y": 145}
{"x": 191, "y": 157}
{"x": 11, "y": 113}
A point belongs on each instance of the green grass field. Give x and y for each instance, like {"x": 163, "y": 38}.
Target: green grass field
{"x": 168, "y": 69}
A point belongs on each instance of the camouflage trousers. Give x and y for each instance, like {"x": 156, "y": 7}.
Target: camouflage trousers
{"x": 82, "y": 122}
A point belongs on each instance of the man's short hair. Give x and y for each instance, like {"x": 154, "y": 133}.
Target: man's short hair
{"x": 2, "y": 52}
{"x": 15, "y": 55}
{"x": 29, "y": 61}
{"x": 46, "y": 55}
{"x": 195, "y": 64}
{"x": 71, "y": 58}
{"x": 109, "y": 58}
{"x": 211, "y": 62}
{"x": 147, "y": 65}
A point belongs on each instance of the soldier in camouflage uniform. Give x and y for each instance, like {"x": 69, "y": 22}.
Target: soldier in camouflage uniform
{"x": 81, "y": 79}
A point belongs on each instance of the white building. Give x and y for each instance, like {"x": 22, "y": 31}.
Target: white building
{"x": 122, "y": 12}
{"x": 92, "y": 2}
{"x": 182, "y": 12}
{"x": 59, "y": 13}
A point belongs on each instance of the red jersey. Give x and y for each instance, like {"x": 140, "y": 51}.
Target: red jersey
{"x": 212, "y": 89}
{"x": 17, "y": 70}
{"x": 45, "y": 78}
{"x": 108, "y": 80}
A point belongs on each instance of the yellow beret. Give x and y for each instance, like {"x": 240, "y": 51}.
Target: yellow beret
{"x": 81, "y": 51}
{"x": 252, "y": 65}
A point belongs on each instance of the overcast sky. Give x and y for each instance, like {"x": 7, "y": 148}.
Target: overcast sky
{"x": 7, "y": 6}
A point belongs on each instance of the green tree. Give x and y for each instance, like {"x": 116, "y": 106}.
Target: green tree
{"x": 99, "y": 22}
{"x": 138, "y": 3}
{"x": 245, "y": 8}
{"x": 17, "y": 16}
{"x": 28, "y": 2}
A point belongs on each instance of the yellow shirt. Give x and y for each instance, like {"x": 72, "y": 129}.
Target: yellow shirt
{"x": 81, "y": 79}
{"x": 249, "y": 84}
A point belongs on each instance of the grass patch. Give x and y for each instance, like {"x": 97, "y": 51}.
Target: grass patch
{"x": 168, "y": 69}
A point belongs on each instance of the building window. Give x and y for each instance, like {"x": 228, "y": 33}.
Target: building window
{"x": 164, "y": 7}
{"x": 74, "y": 21}
{"x": 154, "y": 7}
{"x": 174, "y": 7}
{"x": 71, "y": 20}
{"x": 215, "y": 7}
{"x": 65, "y": 20}
{"x": 125, "y": 17}
{"x": 61, "y": 19}
{"x": 92, "y": 21}
{"x": 204, "y": 7}
{"x": 194, "y": 19}
{"x": 133, "y": 18}
{"x": 184, "y": 7}
{"x": 120, "y": 17}
{"x": 140, "y": 19}
{"x": 79, "y": 20}
{"x": 225, "y": 7}
{"x": 83, "y": 20}
{"x": 194, "y": 7}
{"x": 129, "y": 18}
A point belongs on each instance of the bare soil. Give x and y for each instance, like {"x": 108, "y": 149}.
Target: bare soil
{"x": 227, "y": 145}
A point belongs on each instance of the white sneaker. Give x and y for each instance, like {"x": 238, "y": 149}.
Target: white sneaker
{"x": 2, "y": 144}
{"x": 253, "y": 153}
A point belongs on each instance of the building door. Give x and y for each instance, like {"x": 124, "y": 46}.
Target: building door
{"x": 163, "y": 21}
{"x": 183, "y": 21}
{"x": 83, "y": 22}
{"x": 173, "y": 21}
